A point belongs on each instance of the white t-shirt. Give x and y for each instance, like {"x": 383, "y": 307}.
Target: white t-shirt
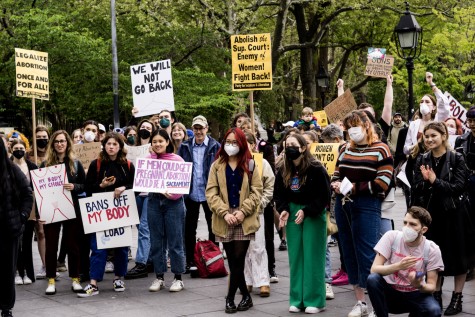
{"x": 399, "y": 279}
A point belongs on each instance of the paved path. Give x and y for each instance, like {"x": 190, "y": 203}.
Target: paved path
{"x": 201, "y": 297}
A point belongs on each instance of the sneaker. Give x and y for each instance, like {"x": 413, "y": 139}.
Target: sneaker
{"x": 27, "y": 280}
{"x": 359, "y": 310}
{"x": 109, "y": 267}
{"x": 18, "y": 280}
{"x": 177, "y": 286}
{"x": 338, "y": 274}
{"x": 7, "y": 313}
{"x": 61, "y": 267}
{"x": 342, "y": 280}
{"x": 76, "y": 285}
{"x": 332, "y": 242}
{"x": 157, "y": 285}
{"x": 58, "y": 275}
{"x": 273, "y": 277}
{"x": 329, "y": 292}
{"x": 41, "y": 275}
{"x": 51, "y": 289}
{"x": 119, "y": 285}
{"x": 373, "y": 314}
{"x": 138, "y": 271}
{"x": 294, "y": 309}
{"x": 283, "y": 245}
{"x": 264, "y": 291}
{"x": 88, "y": 291}
{"x": 313, "y": 310}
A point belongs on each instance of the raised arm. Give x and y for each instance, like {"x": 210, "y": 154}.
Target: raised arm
{"x": 388, "y": 100}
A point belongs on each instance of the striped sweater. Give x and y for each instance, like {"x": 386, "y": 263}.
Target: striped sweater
{"x": 369, "y": 168}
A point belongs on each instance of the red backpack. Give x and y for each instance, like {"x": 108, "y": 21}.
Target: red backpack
{"x": 209, "y": 259}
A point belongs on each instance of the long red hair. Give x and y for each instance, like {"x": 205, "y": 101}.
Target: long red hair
{"x": 243, "y": 156}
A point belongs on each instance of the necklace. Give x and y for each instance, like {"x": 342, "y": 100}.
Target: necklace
{"x": 437, "y": 160}
{"x": 361, "y": 150}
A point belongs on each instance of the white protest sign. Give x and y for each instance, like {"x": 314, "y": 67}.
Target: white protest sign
{"x": 152, "y": 87}
{"x": 114, "y": 238}
{"x": 103, "y": 211}
{"x": 54, "y": 203}
{"x": 457, "y": 110}
{"x": 160, "y": 176}
{"x": 134, "y": 152}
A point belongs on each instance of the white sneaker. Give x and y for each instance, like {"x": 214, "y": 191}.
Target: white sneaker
{"x": 18, "y": 280}
{"x": 177, "y": 286}
{"x": 51, "y": 289}
{"x": 109, "y": 267}
{"x": 372, "y": 314}
{"x": 157, "y": 285}
{"x": 58, "y": 275}
{"x": 294, "y": 309}
{"x": 313, "y": 310}
{"x": 76, "y": 286}
{"x": 27, "y": 280}
{"x": 41, "y": 275}
{"x": 359, "y": 310}
{"x": 329, "y": 292}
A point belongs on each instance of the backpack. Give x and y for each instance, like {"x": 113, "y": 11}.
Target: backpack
{"x": 209, "y": 259}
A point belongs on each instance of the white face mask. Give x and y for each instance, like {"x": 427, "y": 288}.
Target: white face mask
{"x": 409, "y": 234}
{"x": 452, "y": 131}
{"x": 231, "y": 150}
{"x": 356, "y": 134}
{"x": 424, "y": 109}
{"x": 89, "y": 136}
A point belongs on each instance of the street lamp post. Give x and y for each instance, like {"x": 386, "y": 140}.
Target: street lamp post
{"x": 408, "y": 34}
{"x": 323, "y": 83}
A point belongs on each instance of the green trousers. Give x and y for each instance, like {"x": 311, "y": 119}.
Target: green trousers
{"x": 307, "y": 246}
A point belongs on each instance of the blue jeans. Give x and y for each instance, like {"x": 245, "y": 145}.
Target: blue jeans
{"x": 99, "y": 257}
{"x": 359, "y": 223}
{"x": 385, "y": 299}
{"x": 143, "y": 245}
{"x": 328, "y": 266}
{"x": 166, "y": 219}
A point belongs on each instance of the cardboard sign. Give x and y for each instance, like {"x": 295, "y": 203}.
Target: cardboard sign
{"x": 114, "y": 238}
{"x": 54, "y": 203}
{"x": 252, "y": 62}
{"x": 457, "y": 111}
{"x": 103, "y": 211}
{"x": 379, "y": 67}
{"x": 87, "y": 152}
{"x": 259, "y": 163}
{"x": 31, "y": 74}
{"x": 152, "y": 87}
{"x": 160, "y": 176}
{"x": 340, "y": 107}
{"x": 322, "y": 119}
{"x": 134, "y": 152}
{"x": 327, "y": 154}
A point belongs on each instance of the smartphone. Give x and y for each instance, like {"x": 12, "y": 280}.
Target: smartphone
{"x": 419, "y": 275}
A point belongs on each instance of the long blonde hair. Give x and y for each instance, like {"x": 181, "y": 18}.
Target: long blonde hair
{"x": 52, "y": 156}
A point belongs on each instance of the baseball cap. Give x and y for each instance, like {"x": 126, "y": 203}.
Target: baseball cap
{"x": 199, "y": 120}
{"x": 102, "y": 128}
{"x": 397, "y": 114}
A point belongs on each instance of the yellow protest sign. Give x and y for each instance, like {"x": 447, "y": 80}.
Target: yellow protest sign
{"x": 340, "y": 107}
{"x": 31, "y": 74}
{"x": 327, "y": 154}
{"x": 321, "y": 116}
{"x": 252, "y": 62}
{"x": 258, "y": 159}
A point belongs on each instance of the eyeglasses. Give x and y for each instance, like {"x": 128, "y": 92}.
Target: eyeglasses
{"x": 232, "y": 143}
{"x": 60, "y": 141}
{"x": 199, "y": 128}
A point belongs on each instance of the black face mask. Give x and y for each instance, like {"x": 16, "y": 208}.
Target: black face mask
{"x": 292, "y": 153}
{"x": 41, "y": 143}
{"x": 18, "y": 154}
{"x": 144, "y": 134}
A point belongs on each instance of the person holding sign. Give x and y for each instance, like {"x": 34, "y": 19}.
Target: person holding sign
{"x": 110, "y": 172}
{"x": 234, "y": 195}
{"x": 16, "y": 201}
{"x": 60, "y": 151}
{"x": 301, "y": 193}
{"x": 166, "y": 219}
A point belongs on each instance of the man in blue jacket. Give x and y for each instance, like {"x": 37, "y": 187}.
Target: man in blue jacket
{"x": 201, "y": 151}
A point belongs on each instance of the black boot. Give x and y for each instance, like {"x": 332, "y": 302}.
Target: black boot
{"x": 438, "y": 297}
{"x": 230, "y": 306}
{"x": 245, "y": 303}
{"x": 138, "y": 271}
{"x": 7, "y": 313}
{"x": 455, "y": 305}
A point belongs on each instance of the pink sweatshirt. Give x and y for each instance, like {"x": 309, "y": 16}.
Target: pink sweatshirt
{"x": 169, "y": 157}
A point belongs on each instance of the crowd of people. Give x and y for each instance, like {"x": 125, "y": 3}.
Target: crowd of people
{"x": 293, "y": 193}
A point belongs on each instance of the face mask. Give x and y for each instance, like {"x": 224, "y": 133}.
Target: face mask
{"x": 424, "y": 109}
{"x": 452, "y": 131}
{"x": 41, "y": 143}
{"x": 144, "y": 134}
{"x": 164, "y": 123}
{"x": 231, "y": 150}
{"x": 131, "y": 139}
{"x": 292, "y": 153}
{"x": 18, "y": 154}
{"x": 356, "y": 134}
{"x": 89, "y": 136}
{"x": 409, "y": 234}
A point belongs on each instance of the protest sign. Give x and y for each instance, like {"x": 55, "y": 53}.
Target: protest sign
{"x": 160, "y": 176}
{"x": 457, "y": 111}
{"x": 340, "y": 107}
{"x": 251, "y": 62}
{"x": 134, "y": 152}
{"x": 103, "y": 211}
{"x": 258, "y": 161}
{"x": 327, "y": 154}
{"x": 114, "y": 238}
{"x": 54, "y": 203}
{"x": 379, "y": 67}
{"x": 87, "y": 152}
{"x": 322, "y": 119}
{"x": 31, "y": 74}
{"x": 152, "y": 87}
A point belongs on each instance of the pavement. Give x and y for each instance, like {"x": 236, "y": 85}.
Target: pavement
{"x": 201, "y": 297}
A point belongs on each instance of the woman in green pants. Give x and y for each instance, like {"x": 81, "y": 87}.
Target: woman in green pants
{"x": 301, "y": 193}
